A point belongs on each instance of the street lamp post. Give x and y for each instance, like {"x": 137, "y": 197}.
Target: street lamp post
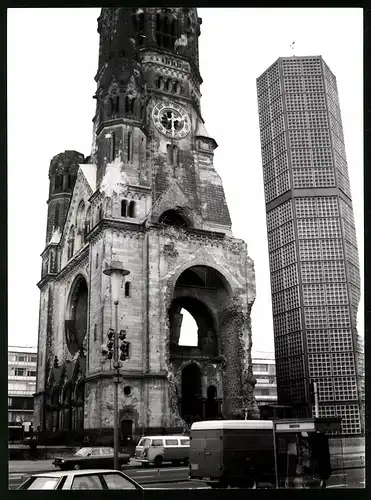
{"x": 116, "y": 271}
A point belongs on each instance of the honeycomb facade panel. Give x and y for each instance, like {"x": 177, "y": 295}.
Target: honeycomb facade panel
{"x": 315, "y": 280}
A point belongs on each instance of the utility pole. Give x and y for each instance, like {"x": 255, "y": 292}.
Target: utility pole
{"x": 111, "y": 350}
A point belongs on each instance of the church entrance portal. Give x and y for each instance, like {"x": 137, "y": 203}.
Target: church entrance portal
{"x": 126, "y": 431}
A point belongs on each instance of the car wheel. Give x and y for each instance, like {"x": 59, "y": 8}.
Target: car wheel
{"x": 158, "y": 461}
{"x": 76, "y": 467}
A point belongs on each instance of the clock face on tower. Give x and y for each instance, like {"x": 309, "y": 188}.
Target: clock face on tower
{"x": 171, "y": 120}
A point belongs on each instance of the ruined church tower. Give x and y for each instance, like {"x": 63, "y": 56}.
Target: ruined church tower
{"x": 148, "y": 195}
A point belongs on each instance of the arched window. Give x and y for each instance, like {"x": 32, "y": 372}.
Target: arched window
{"x": 113, "y": 146}
{"x": 88, "y": 221}
{"x": 175, "y": 156}
{"x": 169, "y": 152}
{"x": 58, "y": 181}
{"x": 172, "y": 155}
{"x": 123, "y": 208}
{"x": 56, "y": 216}
{"x": 166, "y": 31}
{"x": 80, "y": 224}
{"x": 129, "y": 104}
{"x": 131, "y": 210}
{"x": 160, "y": 83}
{"x": 116, "y": 103}
{"x": 113, "y": 105}
{"x": 100, "y": 212}
{"x": 168, "y": 85}
{"x": 71, "y": 242}
{"x": 127, "y": 289}
{"x": 96, "y": 261}
{"x": 130, "y": 146}
{"x": 51, "y": 262}
{"x": 138, "y": 23}
{"x": 173, "y": 218}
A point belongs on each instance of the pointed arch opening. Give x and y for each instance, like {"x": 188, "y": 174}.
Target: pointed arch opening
{"x": 71, "y": 243}
{"x": 77, "y": 312}
{"x": 123, "y": 208}
{"x": 131, "y": 209}
{"x": 56, "y": 216}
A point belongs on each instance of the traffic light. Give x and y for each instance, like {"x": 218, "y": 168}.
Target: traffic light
{"x": 122, "y": 334}
{"x": 125, "y": 350}
{"x": 110, "y": 343}
{"x": 104, "y": 350}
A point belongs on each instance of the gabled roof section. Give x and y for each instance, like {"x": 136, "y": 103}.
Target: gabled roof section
{"x": 171, "y": 198}
{"x": 90, "y": 174}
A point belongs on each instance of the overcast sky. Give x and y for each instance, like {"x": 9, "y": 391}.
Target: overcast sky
{"x": 52, "y": 61}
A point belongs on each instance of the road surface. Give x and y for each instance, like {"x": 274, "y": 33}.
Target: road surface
{"x": 177, "y": 478}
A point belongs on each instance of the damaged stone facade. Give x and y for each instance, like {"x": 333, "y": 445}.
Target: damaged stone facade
{"x": 150, "y": 197}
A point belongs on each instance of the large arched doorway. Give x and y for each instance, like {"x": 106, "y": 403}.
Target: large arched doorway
{"x": 200, "y": 294}
{"x": 77, "y": 311}
{"x": 191, "y": 407}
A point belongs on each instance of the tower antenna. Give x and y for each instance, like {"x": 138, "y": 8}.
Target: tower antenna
{"x": 292, "y": 47}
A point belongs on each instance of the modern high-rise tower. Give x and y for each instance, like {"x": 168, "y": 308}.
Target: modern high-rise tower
{"x": 315, "y": 279}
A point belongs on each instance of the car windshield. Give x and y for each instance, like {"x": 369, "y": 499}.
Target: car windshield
{"x": 42, "y": 483}
{"x": 83, "y": 452}
{"x": 144, "y": 442}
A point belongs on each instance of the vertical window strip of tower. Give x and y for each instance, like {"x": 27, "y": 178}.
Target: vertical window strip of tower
{"x": 308, "y": 128}
{"x": 273, "y": 137}
{"x": 326, "y": 303}
{"x": 286, "y": 301}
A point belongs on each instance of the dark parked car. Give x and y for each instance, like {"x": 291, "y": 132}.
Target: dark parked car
{"x": 82, "y": 480}
{"x": 90, "y": 458}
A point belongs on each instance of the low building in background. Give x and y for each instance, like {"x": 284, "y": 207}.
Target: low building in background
{"x": 264, "y": 370}
{"x": 21, "y": 388}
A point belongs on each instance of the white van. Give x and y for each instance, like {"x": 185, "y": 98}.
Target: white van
{"x": 159, "y": 449}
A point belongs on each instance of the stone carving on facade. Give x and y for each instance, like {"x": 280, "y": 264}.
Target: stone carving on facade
{"x": 170, "y": 250}
{"x": 84, "y": 347}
